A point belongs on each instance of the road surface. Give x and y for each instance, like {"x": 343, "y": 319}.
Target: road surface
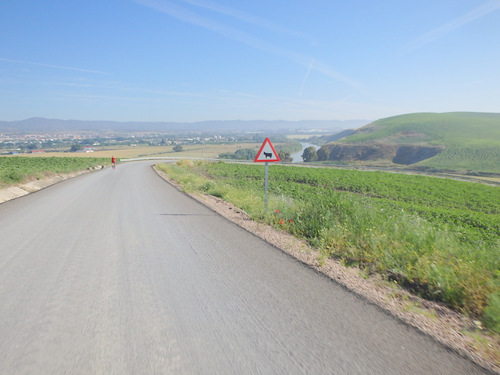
{"x": 116, "y": 272}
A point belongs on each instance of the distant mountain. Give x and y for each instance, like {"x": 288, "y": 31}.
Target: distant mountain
{"x": 459, "y": 141}
{"x": 53, "y": 125}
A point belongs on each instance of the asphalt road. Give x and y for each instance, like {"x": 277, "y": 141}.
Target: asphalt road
{"x": 116, "y": 272}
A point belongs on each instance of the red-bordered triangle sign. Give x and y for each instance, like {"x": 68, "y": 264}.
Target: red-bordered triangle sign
{"x": 267, "y": 152}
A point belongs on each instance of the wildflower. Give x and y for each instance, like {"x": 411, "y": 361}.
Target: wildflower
{"x": 282, "y": 221}
{"x": 290, "y": 221}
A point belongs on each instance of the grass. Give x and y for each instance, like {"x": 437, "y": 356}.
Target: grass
{"x": 428, "y": 234}
{"x": 483, "y": 344}
{"x": 415, "y": 307}
{"x": 464, "y": 128}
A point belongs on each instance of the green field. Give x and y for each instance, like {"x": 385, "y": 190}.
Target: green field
{"x": 15, "y": 169}
{"x": 435, "y": 128}
{"x": 438, "y": 237}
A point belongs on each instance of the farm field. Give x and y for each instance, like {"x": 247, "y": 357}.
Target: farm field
{"x": 15, "y": 169}
{"x": 128, "y": 152}
{"x": 438, "y": 237}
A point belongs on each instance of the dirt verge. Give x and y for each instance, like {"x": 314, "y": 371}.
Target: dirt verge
{"x": 12, "y": 192}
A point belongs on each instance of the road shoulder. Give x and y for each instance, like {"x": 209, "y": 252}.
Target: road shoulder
{"x": 19, "y": 190}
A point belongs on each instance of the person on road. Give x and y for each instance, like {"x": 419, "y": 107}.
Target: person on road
{"x": 113, "y": 161}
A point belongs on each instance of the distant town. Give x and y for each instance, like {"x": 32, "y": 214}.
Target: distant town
{"x": 40, "y": 135}
{"x": 89, "y": 141}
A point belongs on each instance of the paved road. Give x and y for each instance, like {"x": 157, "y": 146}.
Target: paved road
{"x": 116, "y": 272}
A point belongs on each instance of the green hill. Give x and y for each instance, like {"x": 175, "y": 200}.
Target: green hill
{"x": 458, "y": 141}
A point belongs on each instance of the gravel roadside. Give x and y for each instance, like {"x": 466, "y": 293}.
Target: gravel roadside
{"x": 15, "y": 191}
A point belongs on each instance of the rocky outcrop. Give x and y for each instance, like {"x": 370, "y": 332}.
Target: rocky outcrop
{"x": 360, "y": 152}
{"x": 413, "y": 154}
{"x": 399, "y": 154}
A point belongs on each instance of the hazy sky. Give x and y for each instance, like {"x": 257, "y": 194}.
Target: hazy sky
{"x": 192, "y": 60}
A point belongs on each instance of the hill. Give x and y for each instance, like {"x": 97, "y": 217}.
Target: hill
{"x": 38, "y": 124}
{"x": 459, "y": 141}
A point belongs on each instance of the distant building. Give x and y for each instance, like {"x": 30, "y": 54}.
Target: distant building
{"x": 37, "y": 151}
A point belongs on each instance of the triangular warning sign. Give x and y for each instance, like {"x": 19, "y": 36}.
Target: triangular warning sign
{"x": 267, "y": 152}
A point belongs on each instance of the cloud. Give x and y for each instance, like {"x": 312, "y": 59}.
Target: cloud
{"x": 245, "y": 17}
{"x": 304, "y": 80}
{"x": 187, "y": 16}
{"x": 451, "y": 26}
{"x": 76, "y": 69}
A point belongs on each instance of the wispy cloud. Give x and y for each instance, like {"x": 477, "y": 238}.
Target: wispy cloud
{"x": 304, "y": 80}
{"x": 185, "y": 15}
{"x": 448, "y": 27}
{"x": 245, "y": 17}
{"x": 76, "y": 69}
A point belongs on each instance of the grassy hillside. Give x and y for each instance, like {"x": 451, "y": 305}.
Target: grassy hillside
{"x": 471, "y": 140}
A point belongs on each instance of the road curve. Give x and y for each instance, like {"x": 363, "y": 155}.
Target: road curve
{"x": 117, "y": 272}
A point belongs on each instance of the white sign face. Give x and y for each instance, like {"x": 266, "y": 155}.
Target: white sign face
{"x": 267, "y": 153}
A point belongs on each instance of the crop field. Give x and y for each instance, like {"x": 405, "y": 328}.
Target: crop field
{"x": 438, "y": 237}
{"x": 14, "y": 169}
{"x": 484, "y": 158}
{"x": 129, "y": 152}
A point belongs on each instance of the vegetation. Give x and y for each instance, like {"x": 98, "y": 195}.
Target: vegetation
{"x": 439, "y": 238}
{"x": 17, "y": 169}
{"x": 285, "y": 156}
{"x": 322, "y": 154}
{"x": 241, "y": 154}
{"x": 310, "y": 154}
{"x": 284, "y": 149}
{"x": 75, "y": 147}
{"x": 435, "y": 128}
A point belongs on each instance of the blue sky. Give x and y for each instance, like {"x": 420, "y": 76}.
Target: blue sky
{"x": 195, "y": 60}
